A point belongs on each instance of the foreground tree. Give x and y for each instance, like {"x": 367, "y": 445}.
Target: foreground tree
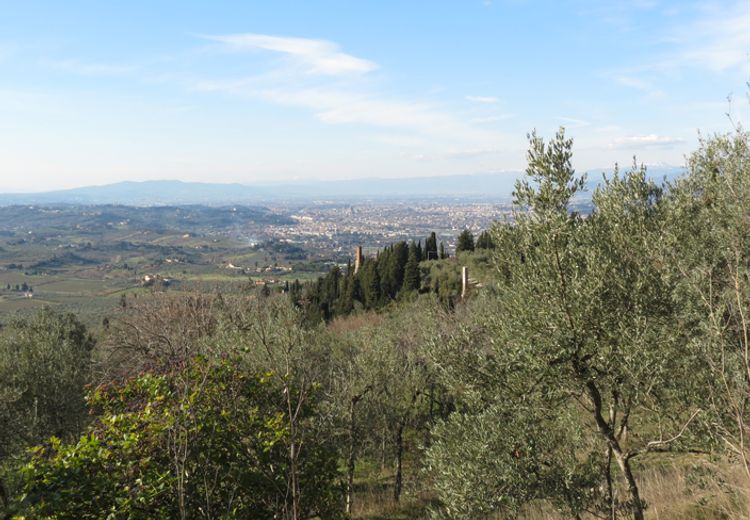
{"x": 270, "y": 335}
{"x": 503, "y": 456}
{"x": 412, "y": 280}
{"x": 161, "y": 332}
{"x": 584, "y": 307}
{"x": 132, "y": 463}
{"x": 267, "y": 336}
{"x": 353, "y": 388}
{"x": 710, "y": 248}
{"x": 45, "y": 362}
{"x": 508, "y": 442}
{"x": 406, "y": 385}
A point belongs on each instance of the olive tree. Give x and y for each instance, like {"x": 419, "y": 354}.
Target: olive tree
{"x": 583, "y": 308}
{"x": 270, "y": 335}
{"x": 710, "y": 246}
{"x": 45, "y": 363}
{"x": 353, "y": 388}
{"x": 234, "y": 465}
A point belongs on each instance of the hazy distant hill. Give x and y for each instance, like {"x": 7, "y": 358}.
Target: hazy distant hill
{"x": 157, "y": 193}
{"x": 148, "y": 193}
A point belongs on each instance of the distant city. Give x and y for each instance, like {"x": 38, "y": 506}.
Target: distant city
{"x": 339, "y": 227}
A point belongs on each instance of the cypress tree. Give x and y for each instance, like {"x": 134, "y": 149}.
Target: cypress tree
{"x": 331, "y": 292}
{"x": 465, "y": 241}
{"x": 345, "y": 303}
{"x": 387, "y": 283}
{"x": 356, "y": 291}
{"x": 371, "y": 284}
{"x": 443, "y": 254}
{"x": 411, "y": 272}
{"x": 400, "y": 257}
{"x": 431, "y": 247}
{"x": 295, "y": 292}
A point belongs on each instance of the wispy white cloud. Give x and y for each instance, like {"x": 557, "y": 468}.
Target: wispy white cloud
{"x": 623, "y": 15}
{"x": 646, "y": 141}
{"x": 608, "y": 129}
{"x": 401, "y": 140}
{"x": 335, "y": 98}
{"x": 490, "y": 100}
{"x": 471, "y": 153}
{"x": 640, "y": 84}
{"x": 718, "y": 42}
{"x": 338, "y": 106}
{"x": 572, "y": 122}
{"x": 484, "y": 120}
{"x": 317, "y": 56}
{"x": 636, "y": 83}
{"x": 93, "y": 69}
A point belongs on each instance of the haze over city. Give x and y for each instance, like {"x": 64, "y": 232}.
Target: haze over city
{"x": 252, "y": 92}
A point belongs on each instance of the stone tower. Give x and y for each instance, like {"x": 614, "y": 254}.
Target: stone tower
{"x": 358, "y": 258}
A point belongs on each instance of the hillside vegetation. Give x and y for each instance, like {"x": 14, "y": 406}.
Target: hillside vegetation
{"x": 599, "y": 367}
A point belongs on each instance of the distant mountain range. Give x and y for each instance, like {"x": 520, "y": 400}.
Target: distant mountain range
{"x": 496, "y": 186}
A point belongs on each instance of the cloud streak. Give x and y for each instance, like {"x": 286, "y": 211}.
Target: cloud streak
{"x": 319, "y": 78}
{"x": 93, "y": 69}
{"x": 638, "y": 84}
{"x": 719, "y": 41}
{"x": 317, "y": 56}
{"x": 572, "y": 122}
{"x": 646, "y": 141}
{"x": 488, "y": 100}
{"x": 724, "y": 41}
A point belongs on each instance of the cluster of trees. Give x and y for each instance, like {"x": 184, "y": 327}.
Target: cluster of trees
{"x": 207, "y": 406}
{"x": 24, "y": 287}
{"x": 600, "y": 343}
{"x": 395, "y": 272}
{"x": 194, "y": 408}
{"x": 609, "y": 337}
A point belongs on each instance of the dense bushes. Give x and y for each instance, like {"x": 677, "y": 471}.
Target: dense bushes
{"x": 45, "y": 362}
{"x": 207, "y": 441}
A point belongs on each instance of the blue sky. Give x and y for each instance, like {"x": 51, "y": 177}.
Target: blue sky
{"x": 246, "y": 91}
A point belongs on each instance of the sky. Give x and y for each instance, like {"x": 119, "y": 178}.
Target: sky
{"x": 96, "y": 92}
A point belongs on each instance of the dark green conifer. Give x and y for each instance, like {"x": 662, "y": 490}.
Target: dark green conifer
{"x": 398, "y": 264}
{"x": 431, "y": 247}
{"x": 411, "y": 272}
{"x": 465, "y": 241}
{"x": 387, "y": 283}
{"x": 371, "y": 284}
{"x": 345, "y": 303}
